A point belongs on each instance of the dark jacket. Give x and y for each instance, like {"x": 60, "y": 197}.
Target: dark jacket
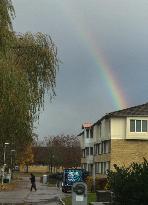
{"x": 32, "y": 179}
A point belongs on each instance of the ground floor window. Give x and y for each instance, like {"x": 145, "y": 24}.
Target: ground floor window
{"x": 84, "y": 166}
{"x": 102, "y": 167}
{"x": 90, "y": 168}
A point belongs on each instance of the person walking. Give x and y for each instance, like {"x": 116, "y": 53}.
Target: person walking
{"x": 33, "y": 184}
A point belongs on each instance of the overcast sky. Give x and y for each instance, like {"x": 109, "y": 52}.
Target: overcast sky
{"x": 91, "y": 36}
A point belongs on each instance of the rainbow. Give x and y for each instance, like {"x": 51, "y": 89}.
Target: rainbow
{"x": 105, "y": 71}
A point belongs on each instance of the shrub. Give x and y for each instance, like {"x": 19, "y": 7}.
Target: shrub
{"x": 130, "y": 185}
{"x": 100, "y": 183}
{"x": 89, "y": 182}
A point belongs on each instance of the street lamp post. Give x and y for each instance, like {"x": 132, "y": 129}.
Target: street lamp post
{"x": 5, "y": 144}
{"x": 3, "y": 169}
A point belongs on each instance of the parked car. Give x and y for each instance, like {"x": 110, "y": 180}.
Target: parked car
{"x": 70, "y": 176}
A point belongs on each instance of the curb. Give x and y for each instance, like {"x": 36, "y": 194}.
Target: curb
{"x": 61, "y": 201}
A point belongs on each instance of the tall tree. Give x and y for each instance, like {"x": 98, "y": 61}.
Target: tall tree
{"x": 64, "y": 150}
{"x": 28, "y": 66}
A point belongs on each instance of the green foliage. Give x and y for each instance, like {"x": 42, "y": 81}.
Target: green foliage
{"x": 100, "y": 183}
{"x": 28, "y": 66}
{"x": 89, "y": 182}
{"x": 6, "y": 14}
{"x": 130, "y": 185}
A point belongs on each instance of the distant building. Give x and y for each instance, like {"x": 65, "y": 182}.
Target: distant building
{"x": 119, "y": 137}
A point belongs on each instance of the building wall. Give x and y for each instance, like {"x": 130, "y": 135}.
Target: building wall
{"x": 118, "y": 128}
{"x": 102, "y": 158}
{"x": 105, "y": 130}
{"x": 88, "y": 160}
{"x": 81, "y": 137}
{"x": 96, "y": 133}
{"x": 124, "y": 152}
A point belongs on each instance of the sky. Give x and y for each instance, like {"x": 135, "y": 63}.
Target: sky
{"x": 103, "y": 47}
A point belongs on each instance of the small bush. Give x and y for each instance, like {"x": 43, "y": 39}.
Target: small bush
{"x": 100, "y": 183}
{"x": 89, "y": 182}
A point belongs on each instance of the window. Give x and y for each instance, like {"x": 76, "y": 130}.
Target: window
{"x": 132, "y": 125}
{"x": 95, "y": 149}
{"x": 87, "y": 133}
{"x": 84, "y": 166}
{"x": 105, "y": 146}
{"x": 138, "y": 125}
{"x": 99, "y": 148}
{"x": 107, "y": 165}
{"x": 87, "y": 151}
{"x": 91, "y": 133}
{"x": 102, "y": 167}
{"x": 91, "y": 150}
{"x": 98, "y": 167}
{"x": 90, "y": 168}
{"x": 144, "y": 125}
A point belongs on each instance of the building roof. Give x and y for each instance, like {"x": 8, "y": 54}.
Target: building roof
{"x": 80, "y": 134}
{"x": 139, "y": 110}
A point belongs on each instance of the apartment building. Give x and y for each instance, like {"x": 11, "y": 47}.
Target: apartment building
{"x": 119, "y": 137}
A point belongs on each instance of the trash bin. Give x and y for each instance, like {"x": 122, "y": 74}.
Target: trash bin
{"x": 45, "y": 179}
{"x": 7, "y": 178}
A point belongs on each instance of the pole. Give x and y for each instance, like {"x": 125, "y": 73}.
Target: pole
{"x": 3, "y": 169}
{"x": 4, "y": 153}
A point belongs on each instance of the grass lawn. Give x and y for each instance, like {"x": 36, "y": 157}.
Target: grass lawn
{"x": 37, "y": 174}
{"x": 91, "y": 198}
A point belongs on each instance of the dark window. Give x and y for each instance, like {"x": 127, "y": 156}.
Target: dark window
{"x": 132, "y": 125}
{"x": 91, "y": 150}
{"x": 87, "y": 151}
{"x": 144, "y": 125}
{"x": 91, "y": 133}
{"x": 96, "y": 167}
{"x": 87, "y": 133}
{"x": 138, "y": 125}
{"x": 102, "y": 167}
{"x": 102, "y": 147}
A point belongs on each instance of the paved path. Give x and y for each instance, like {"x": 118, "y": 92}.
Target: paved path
{"x": 22, "y": 195}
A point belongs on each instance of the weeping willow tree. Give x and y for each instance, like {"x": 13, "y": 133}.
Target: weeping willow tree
{"x": 28, "y": 66}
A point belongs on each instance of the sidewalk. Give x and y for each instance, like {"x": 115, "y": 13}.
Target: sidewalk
{"x": 22, "y": 195}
